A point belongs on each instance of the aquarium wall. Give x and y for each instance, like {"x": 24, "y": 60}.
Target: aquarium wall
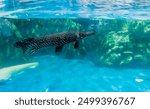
{"x": 115, "y": 58}
{"x": 117, "y": 43}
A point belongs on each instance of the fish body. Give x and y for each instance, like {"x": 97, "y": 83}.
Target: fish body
{"x": 58, "y": 40}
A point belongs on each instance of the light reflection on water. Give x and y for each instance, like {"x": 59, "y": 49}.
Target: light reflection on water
{"x": 130, "y": 9}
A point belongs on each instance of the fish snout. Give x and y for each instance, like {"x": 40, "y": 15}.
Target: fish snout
{"x": 84, "y": 34}
{"x": 90, "y": 33}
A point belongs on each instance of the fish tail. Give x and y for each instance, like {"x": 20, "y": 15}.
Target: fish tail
{"x": 21, "y": 45}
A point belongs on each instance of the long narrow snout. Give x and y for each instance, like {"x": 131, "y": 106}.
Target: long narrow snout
{"x": 90, "y": 33}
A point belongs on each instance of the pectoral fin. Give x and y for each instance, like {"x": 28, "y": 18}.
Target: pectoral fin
{"x": 59, "y": 48}
{"x": 76, "y": 45}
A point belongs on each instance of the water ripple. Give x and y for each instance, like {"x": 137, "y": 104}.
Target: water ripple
{"x": 129, "y": 9}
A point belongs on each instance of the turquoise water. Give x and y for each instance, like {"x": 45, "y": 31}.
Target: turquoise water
{"x": 58, "y": 74}
{"x": 116, "y": 58}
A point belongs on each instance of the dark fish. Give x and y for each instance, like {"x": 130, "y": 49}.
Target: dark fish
{"x": 58, "y": 40}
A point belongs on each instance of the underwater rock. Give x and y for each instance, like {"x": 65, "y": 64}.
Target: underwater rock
{"x": 138, "y": 29}
{"x": 141, "y": 59}
{"x": 147, "y": 31}
{"x": 12, "y": 28}
{"x": 5, "y": 30}
{"x": 126, "y": 61}
{"x": 114, "y": 47}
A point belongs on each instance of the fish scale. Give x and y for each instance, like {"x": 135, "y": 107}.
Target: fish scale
{"x": 58, "y": 40}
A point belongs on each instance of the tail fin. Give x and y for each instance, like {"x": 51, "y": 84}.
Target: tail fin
{"x": 22, "y": 45}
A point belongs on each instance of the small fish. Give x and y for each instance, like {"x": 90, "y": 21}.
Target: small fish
{"x": 58, "y": 40}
